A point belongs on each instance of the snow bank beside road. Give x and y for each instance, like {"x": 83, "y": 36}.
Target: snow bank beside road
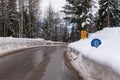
{"x": 9, "y": 43}
{"x": 107, "y": 54}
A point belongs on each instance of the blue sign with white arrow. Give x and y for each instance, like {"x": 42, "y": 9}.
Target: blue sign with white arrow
{"x": 96, "y": 43}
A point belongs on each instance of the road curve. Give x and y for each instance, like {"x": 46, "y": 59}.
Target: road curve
{"x": 42, "y": 63}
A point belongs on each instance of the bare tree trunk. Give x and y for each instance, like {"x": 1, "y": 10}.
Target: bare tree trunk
{"x": 33, "y": 15}
{"x": 30, "y": 24}
{"x": 2, "y": 17}
{"x": 6, "y": 23}
{"x": 21, "y": 23}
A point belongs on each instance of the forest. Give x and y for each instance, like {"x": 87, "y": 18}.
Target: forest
{"x": 23, "y": 19}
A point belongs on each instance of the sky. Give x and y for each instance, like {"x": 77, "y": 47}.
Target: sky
{"x": 56, "y": 4}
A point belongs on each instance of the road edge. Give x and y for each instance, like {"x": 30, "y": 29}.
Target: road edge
{"x": 27, "y": 47}
{"x": 90, "y": 70}
{"x": 16, "y": 50}
{"x": 71, "y": 63}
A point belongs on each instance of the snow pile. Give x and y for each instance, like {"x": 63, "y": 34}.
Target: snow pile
{"x": 108, "y": 53}
{"x": 9, "y": 43}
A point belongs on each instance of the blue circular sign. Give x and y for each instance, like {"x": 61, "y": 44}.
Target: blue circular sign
{"x": 96, "y": 43}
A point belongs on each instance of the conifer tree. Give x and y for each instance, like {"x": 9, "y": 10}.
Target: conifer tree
{"x": 108, "y": 15}
{"x": 12, "y": 21}
{"x": 2, "y": 17}
{"x": 78, "y": 12}
{"x": 73, "y": 35}
{"x": 8, "y": 18}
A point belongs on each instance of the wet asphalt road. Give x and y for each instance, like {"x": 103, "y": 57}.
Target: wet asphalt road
{"x": 43, "y": 63}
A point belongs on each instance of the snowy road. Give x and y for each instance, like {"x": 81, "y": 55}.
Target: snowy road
{"x": 43, "y": 63}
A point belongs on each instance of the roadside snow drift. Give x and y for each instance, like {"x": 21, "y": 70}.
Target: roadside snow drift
{"x": 108, "y": 53}
{"x": 9, "y": 43}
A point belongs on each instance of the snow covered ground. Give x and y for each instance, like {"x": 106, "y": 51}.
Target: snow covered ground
{"x": 108, "y": 53}
{"x": 10, "y": 43}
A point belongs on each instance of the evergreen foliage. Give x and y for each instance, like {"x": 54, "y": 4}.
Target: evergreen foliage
{"x": 108, "y": 15}
{"x": 51, "y": 25}
{"x": 77, "y": 11}
{"x": 8, "y": 18}
{"x": 73, "y": 35}
{"x": 18, "y": 18}
{"x": 13, "y": 22}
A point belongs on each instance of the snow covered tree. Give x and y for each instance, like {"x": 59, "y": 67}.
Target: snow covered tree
{"x": 51, "y": 21}
{"x": 108, "y": 15}
{"x": 18, "y": 17}
{"x": 73, "y": 35}
{"x": 26, "y": 31}
{"x": 2, "y": 17}
{"x": 117, "y": 15}
{"x": 8, "y": 18}
{"x": 57, "y": 24}
{"x": 33, "y": 16}
{"x": 21, "y": 17}
{"x": 12, "y": 24}
{"x": 28, "y": 10}
{"x": 78, "y": 11}
{"x": 65, "y": 35}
